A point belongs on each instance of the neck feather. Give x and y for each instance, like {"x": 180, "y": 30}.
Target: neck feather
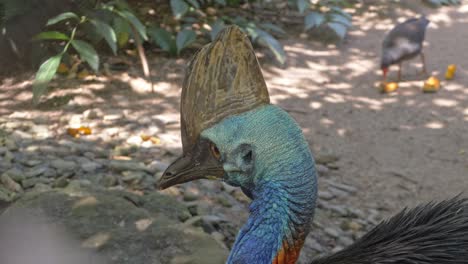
{"x": 280, "y": 216}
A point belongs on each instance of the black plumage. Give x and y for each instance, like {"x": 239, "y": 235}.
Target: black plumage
{"x": 404, "y": 42}
{"x": 434, "y": 233}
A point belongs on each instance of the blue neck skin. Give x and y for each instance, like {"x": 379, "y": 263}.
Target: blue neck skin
{"x": 283, "y": 186}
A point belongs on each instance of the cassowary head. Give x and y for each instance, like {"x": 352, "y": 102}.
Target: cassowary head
{"x": 231, "y": 132}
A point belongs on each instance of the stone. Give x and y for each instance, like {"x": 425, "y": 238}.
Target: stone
{"x": 10, "y": 144}
{"x": 108, "y": 180}
{"x": 326, "y": 158}
{"x": 157, "y": 166}
{"x": 40, "y": 131}
{"x": 3, "y": 150}
{"x": 333, "y": 232}
{"x": 35, "y": 171}
{"x": 31, "y": 182}
{"x": 132, "y": 176}
{"x": 15, "y": 174}
{"x": 63, "y": 165}
{"x": 32, "y": 162}
{"x": 343, "y": 187}
{"x": 10, "y": 184}
{"x": 326, "y": 195}
{"x": 345, "y": 241}
{"x": 322, "y": 169}
{"x": 123, "y": 165}
{"x": 90, "y": 166}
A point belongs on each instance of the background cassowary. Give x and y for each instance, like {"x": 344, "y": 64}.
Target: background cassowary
{"x": 404, "y": 42}
{"x": 230, "y": 131}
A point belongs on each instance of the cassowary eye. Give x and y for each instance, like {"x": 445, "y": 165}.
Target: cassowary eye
{"x": 215, "y": 151}
{"x": 248, "y": 157}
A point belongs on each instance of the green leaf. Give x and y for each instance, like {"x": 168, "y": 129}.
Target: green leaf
{"x": 185, "y": 38}
{"x": 179, "y": 8}
{"x": 273, "y": 28}
{"x": 61, "y": 17}
{"x": 341, "y": 12}
{"x": 267, "y": 40}
{"x": 44, "y": 75}
{"x": 338, "y": 28}
{"x": 302, "y": 5}
{"x": 132, "y": 19}
{"x": 313, "y": 19}
{"x": 163, "y": 39}
{"x": 216, "y": 27}
{"x": 107, "y": 32}
{"x": 341, "y": 19}
{"x": 194, "y": 3}
{"x": 87, "y": 53}
{"x": 122, "y": 29}
{"x": 55, "y": 35}
{"x": 221, "y": 2}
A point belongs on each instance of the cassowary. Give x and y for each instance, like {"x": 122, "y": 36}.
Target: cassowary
{"x": 404, "y": 42}
{"x": 230, "y": 131}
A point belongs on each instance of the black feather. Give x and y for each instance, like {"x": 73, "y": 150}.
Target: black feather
{"x": 433, "y": 233}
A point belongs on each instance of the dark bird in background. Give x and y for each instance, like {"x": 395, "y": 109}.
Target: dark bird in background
{"x": 404, "y": 42}
{"x": 230, "y": 131}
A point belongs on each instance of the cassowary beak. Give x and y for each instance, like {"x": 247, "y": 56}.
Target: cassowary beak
{"x": 199, "y": 163}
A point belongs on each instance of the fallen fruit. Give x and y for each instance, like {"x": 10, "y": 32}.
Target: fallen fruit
{"x": 63, "y": 68}
{"x": 450, "y": 73}
{"x": 389, "y": 87}
{"x": 431, "y": 85}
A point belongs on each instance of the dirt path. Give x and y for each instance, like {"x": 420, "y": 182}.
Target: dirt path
{"x": 397, "y": 149}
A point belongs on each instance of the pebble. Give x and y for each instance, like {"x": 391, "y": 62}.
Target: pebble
{"x": 28, "y": 183}
{"x": 157, "y": 166}
{"x": 132, "y": 176}
{"x": 326, "y": 158}
{"x": 90, "y": 166}
{"x": 335, "y": 233}
{"x": 35, "y": 171}
{"x": 124, "y": 165}
{"x": 326, "y": 195}
{"x": 9, "y": 183}
{"x": 15, "y": 174}
{"x": 63, "y": 165}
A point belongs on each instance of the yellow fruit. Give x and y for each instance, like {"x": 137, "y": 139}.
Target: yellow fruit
{"x": 389, "y": 87}
{"x": 450, "y": 73}
{"x": 431, "y": 85}
{"x": 83, "y": 74}
{"x": 62, "y": 68}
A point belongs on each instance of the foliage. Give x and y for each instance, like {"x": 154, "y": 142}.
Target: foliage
{"x": 442, "y": 2}
{"x": 111, "y": 22}
{"x": 328, "y": 13}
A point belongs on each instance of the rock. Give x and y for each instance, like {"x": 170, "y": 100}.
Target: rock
{"x": 326, "y": 195}
{"x": 310, "y": 242}
{"x": 10, "y": 144}
{"x": 63, "y": 165}
{"x": 90, "y": 166}
{"x": 321, "y": 169}
{"x": 41, "y": 187}
{"x": 326, "y": 158}
{"x": 15, "y": 174}
{"x": 35, "y": 171}
{"x": 9, "y": 183}
{"x": 125, "y": 165}
{"x": 61, "y": 182}
{"x": 343, "y": 187}
{"x": 345, "y": 241}
{"x": 32, "y": 162}
{"x": 335, "y": 233}
{"x": 52, "y": 173}
{"x": 157, "y": 166}
{"x": 124, "y": 232}
{"x": 31, "y": 182}
{"x": 108, "y": 180}
{"x": 5, "y": 195}
{"x": 190, "y": 195}
{"x": 8, "y": 156}
{"x": 132, "y": 176}
{"x": 40, "y": 131}
{"x": 3, "y": 150}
